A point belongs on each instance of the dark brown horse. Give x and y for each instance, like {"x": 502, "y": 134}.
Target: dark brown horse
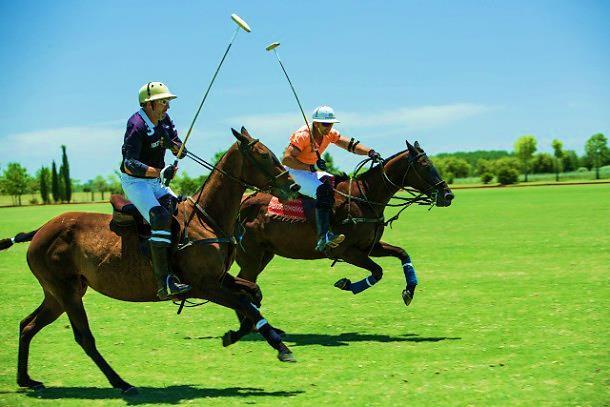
{"x": 358, "y": 213}
{"x": 77, "y": 250}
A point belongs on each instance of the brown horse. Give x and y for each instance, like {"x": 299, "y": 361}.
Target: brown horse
{"x": 77, "y": 250}
{"x": 358, "y": 214}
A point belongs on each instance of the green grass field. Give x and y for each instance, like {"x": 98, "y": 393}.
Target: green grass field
{"x": 513, "y": 308}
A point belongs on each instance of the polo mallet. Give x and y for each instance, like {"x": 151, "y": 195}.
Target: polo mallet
{"x": 272, "y": 47}
{"x": 241, "y": 24}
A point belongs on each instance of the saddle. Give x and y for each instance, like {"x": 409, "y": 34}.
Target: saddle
{"x": 301, "y": 209}
{"x": 125, "y": 216}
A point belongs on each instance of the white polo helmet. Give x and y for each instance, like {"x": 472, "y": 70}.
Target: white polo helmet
{"x": 324, "y": 114}
{"x": 154, "y": 91}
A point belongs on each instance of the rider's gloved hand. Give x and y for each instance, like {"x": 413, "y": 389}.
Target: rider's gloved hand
{"x": 374, "y": 155}
{"x": 183, "y": 154}
{"x": 167, "y": 174}
{"x": 320, "y": 165}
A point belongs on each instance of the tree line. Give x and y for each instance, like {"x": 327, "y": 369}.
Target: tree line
{"x": 55, "y": 185}
{"x": 506, "y": 166}
{"x": 52, "y": 184}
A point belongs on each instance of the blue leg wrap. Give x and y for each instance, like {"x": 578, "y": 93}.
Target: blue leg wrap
{"x": 363, "y": 284}
{"x": 409, "y": 271}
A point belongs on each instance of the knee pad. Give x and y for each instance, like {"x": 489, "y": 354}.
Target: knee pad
{"x": 159, "y": 218}
{"x": 325, "y": 196}
{"x": 169, "y": 202}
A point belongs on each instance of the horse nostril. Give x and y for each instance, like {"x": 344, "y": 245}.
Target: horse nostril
{"x": 295, "y": 187}
{"x": 449, "y": 196}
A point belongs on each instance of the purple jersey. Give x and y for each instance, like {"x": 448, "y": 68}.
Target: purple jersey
{"x": 144, "y": 145}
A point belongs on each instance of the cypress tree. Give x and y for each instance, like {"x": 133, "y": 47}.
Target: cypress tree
{"x": 44, "y": 184}
{"x": 61, "y": 184}
{"x": 54, "y": 183}
{"x": 66, "y": 175}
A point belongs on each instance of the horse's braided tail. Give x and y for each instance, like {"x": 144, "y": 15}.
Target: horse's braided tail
{"x": 19, "y": 238}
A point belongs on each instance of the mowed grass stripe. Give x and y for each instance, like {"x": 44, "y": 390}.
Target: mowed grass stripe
{"x": 512, "y": 309}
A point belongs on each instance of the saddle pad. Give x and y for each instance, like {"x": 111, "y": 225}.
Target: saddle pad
{"x": 292, "y": 210}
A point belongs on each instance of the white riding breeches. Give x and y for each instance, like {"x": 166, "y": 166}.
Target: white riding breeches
{"x": 309, "y": 181}
{"x": 144, "y": 192}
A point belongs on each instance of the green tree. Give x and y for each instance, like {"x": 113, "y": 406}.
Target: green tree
{"x": 525, "y": 147}
{"x": 54, "y": 183}
{"x": 66, "y": 175}
{"x": 558, "y": 153}
{"x": 330, "y": 163}
{"x": 61, "y": 185}
{"x": 484, "y": 166}
{"x": 570, "y": 160}
{"x": 596, "y": 150}
{"x": 218, "y": 156}
{"x": 99, "y": 185}
{"x": 452, "y": 167}
{"x": 186, "y": 185}
{"x": 543, "y": 163}
{"x": 114, "y": 184}
{"x": 44, "y": 180}
{"x": 15, "y": 181}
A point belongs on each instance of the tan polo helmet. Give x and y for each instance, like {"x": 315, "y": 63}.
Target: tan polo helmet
{"x": 154, "y": 91}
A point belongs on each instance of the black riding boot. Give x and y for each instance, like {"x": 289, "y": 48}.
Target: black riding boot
{"x": 168, "y": 284}
{"x": 326, "y": 238}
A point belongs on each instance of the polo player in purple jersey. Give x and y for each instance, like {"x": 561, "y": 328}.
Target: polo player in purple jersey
{"x": 150, "y": 131}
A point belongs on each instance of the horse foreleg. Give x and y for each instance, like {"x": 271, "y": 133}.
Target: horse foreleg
{"x": 362, "y": 260}
{"x": 383, "y": 249}
{"x": 45, "y": 314}
{"x": 73, "y": 305}
{"x": 241, "y": 303}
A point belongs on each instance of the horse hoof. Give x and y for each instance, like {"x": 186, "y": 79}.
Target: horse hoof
{"x": 226, "y": 339}
{"x": 407, "y": 297}
{"x": 286, "y": 357}
{"x": 343, "y": 284}
{"x": 130, "y": 390}
{"x": 32, "y": 385}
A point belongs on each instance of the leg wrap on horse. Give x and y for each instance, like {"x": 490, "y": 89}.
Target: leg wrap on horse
{"x": 363, "y": 284}
{"x": 409, "y": 271}
{"x": 270, "y": 335}
{"x": 325, "y": 196}
{"x": 160, "y": 224}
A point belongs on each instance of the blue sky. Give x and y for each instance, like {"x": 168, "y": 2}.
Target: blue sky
{"x": 458, "y": 75}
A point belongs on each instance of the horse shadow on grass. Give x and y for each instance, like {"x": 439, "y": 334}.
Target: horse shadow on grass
{"x": 154, "y": 395}
{"x": 343, "y": 339}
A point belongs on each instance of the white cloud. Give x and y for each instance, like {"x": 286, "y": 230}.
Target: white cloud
{"x": 411, "y": 118}
{"x": 96, "y": 149}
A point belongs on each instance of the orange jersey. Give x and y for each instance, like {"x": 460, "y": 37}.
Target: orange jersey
{"x": 301, "y": 140}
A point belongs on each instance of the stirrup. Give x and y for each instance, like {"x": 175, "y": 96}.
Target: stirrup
{"x": 330, "y": 241}
{"x": 172, "y": 287}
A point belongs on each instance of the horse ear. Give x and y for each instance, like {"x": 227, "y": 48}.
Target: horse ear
{"x": 245, "y": 133}
{"x": 416, "y": 145}
{"x": 238, "y": 135}
{"x": 410, "y": 147}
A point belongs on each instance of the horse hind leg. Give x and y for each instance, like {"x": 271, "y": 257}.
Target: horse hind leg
{"x": 45, "y": 314}
{"x": 75, "y": 309}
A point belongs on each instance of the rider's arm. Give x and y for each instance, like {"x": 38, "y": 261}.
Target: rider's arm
{"x": 132, "y": 147}
{"x": 173, "y": 141}
{"x": 352, "y": 145}
{"x": 290, "y": 159}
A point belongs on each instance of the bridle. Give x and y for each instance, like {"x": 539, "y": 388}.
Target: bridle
{"x": 430, "y": 189}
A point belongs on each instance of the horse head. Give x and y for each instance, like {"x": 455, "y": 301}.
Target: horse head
{"x": 415, "y": 169}
{"x": 262, "y": 169}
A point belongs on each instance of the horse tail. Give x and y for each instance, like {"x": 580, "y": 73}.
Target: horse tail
{"x": 19, "y": 238}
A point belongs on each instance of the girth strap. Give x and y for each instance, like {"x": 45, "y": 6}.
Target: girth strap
{"x": 362, "y": 220}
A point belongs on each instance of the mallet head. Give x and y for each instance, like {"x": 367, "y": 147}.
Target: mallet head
{"x": 240, "y": 22}
{"x": 272, "y": 46}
